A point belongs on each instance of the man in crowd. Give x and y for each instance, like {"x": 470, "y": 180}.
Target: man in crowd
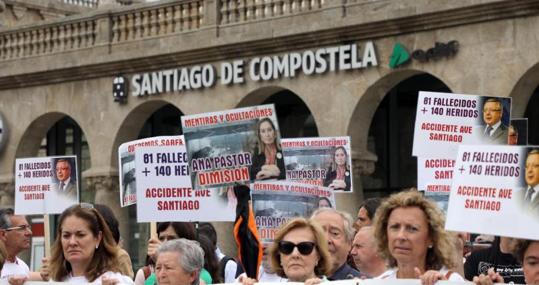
{"x": 338, "y": 227}
{"x": 498, "y": 257}
{"x": 366, "y": 212}
{"x": 494, "y": 130}
{"x": 531, "y": 197}
{"x": 15, "y": 234}
{"x": 365, "y": 253}
{"x": 66, "y": 184}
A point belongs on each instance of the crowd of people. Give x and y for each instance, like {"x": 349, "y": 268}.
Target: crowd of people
{"x": 401, "y": 237}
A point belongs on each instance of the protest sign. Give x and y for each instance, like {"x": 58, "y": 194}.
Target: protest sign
{"x": 164, "y": 188}
{"x": 489, "y": 194}
{"x": 126, "y": 162}
{"x": 232, "y": 146}
{"x": 45, "y": 185}
{"x": 276, "y": 202}
{"x": 319, "y": 161}
{"x": 434, "y": 176}
{"x": 446, "y": 120}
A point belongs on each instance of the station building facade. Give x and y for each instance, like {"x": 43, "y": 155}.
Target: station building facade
{"x": 193, "y": 56}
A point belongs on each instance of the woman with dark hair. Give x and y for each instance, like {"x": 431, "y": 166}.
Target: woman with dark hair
{"x": 211, "y": 264}
{"x": 84, "y": 250}
{"x": 338, "y": 174}
{"x": 268, "y": 161}
{"x": 410, "y": 235}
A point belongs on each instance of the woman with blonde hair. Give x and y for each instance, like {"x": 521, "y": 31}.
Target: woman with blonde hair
{"x": 299, "y": 252}
{"x": 84, "y": 250}
{"x": 410, "y": 234}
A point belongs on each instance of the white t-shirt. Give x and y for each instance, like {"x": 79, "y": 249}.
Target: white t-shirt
{"x": 122, "y": 279}
{"x": 392, "y": 274}
{"x": 17, "y": 268}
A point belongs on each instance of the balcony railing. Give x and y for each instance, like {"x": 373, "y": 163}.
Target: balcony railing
{"x": 141, "y": 21}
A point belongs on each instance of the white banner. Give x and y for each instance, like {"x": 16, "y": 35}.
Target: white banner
{"x": 489, "y": 191}
{"x": 164, "y": 191}
{"x": 45, "y": 185}
{"x": 445, "y": 120}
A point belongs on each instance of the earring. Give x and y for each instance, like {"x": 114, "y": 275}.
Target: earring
{"x": 430, "y": 246}
{"x": 96, "y": 246}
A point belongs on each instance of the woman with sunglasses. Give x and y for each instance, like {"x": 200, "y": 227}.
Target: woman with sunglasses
{"x": 300, "y": 251}
{"x": 84, "y": 250}
{"x": 410, "y": 234}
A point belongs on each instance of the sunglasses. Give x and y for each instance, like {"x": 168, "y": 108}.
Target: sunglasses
{"x": 305, "y": 247}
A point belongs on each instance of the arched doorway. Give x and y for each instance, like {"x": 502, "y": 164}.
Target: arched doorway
{"x": 391, "y": 136}
{"x": 294, "y": 117}
{"x": 532, "y": 113}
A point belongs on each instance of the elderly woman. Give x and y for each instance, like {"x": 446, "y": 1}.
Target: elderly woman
{"x": 527, "y": 253}
{"x": 165, "y": 231}
{"x": 84, "y": 250}
{"x": 179, "y": 262}
{"x": 268, "y": 161}
{"x": 300, "y": 251}
{"x": 338, "y": 174}
{"x": 410, "y": 234}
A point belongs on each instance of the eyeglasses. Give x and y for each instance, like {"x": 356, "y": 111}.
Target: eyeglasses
{"x": 20, "y": 228}
{"x": 491, "y": 110}
{"x": 305, "y": 247}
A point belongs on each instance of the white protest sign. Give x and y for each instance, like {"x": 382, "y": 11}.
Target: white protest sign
{"x": 164, "y": 191}
{"x": 45, "y": 185}
{"x": 126, "y": 163}
{"x": 435, "y": 174}
{"x": 324, "y": 161}
{"x": 489, "y": 191}
{"x": 445, "y": 120}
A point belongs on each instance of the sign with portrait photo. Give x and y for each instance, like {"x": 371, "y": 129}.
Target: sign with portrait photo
{"x": 324, "y": 161}
{"x": 164, "y": 191}
{"x": 446, "y": 120}
{"x": 233, "y": 146}
{"x": 494, "y": 191}
{"x": 45, "y": 185}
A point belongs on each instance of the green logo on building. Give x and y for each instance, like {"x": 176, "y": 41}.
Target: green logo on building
{"x": 399, "y": 56}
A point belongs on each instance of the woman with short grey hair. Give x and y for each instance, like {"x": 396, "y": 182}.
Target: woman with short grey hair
{"x": 179, "y": 262}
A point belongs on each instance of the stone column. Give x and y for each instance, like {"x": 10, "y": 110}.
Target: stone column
{"x": 106, "y": 192}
